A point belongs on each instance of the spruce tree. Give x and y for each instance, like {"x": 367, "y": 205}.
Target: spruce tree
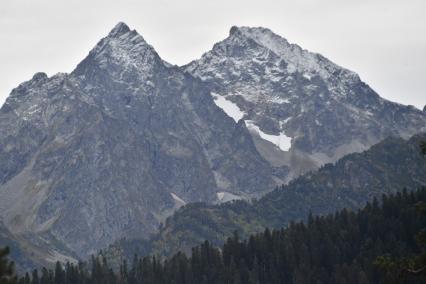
{"x": 7, "y": 268}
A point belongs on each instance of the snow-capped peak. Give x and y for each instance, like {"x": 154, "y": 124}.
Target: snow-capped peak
{"x": 297, "y": 58}
{"x": 121, "y": 52}
{"x": 122, "y": 40}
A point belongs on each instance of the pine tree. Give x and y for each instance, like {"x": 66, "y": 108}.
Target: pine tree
{"x": 46, "y": 277}
{"x": 59, "y": 274}
{"x": 35, "y": 279}
{"x": 423, "y": 147}
{"x": 7, "y": 268}
{"x": 400, "y": 269}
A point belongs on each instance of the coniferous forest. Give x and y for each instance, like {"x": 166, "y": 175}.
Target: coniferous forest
{"x": 345, "y": 247}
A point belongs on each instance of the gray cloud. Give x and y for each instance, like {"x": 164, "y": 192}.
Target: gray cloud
{"x": 382, "y": 40}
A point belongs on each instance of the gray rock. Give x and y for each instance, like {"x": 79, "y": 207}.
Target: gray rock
{"x": 326, "y": 110}
{"x": 116, "y": 146}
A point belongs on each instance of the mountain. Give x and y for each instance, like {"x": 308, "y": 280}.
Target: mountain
{"x": 302, "y": 110}
{"x": 114, "y": 147}
{"x": 388, "y": 167}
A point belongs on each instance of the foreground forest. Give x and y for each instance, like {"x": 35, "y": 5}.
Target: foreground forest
{"x": 345, "y": 247}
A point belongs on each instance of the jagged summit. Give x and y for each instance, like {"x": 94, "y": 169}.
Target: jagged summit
{"x": 122, "y": 52}
{"x": 263, "y": 45}
{"x": 122, "y": 43}
{"x": 119, "y": 29}
{"x": 257, "y": 33}
{"x": 296, "y": 58}
{"x": 39, "y": 76}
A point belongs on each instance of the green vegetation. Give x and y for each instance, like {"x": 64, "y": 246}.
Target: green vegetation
{"x": 337, "y": 248}
{"x": 387, "y": 167}
{"x": 397, "y": 269}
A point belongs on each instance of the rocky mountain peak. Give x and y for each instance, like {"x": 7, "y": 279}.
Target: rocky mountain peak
{"x": 285, "y": 92}
{"x": 119, "y": 29}
{"x": 121, "y": 52}
{"x": 39, "y": 76}
{"x": 261, "y": 35}
{"x": 297, "y": 59}
{"x": 260, "y": 47}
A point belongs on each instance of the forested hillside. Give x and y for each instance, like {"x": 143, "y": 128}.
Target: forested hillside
{"x": 337, "y": 248}
{"x": 387, "y": 167}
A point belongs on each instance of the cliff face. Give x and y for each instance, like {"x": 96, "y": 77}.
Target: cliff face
{"x": 114, "y": 147}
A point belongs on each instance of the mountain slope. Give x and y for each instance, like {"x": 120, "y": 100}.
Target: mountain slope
{"x": 343, "y": 247}
{"x": 114, "y": 147}
{"x": 388, "y": 167}
{"x": 32, "y": 251}
{"x": 302, "y": 109}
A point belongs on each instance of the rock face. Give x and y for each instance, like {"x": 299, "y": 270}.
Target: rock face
{"x": 288, "y": 96}
{"x": 111, "y": 149}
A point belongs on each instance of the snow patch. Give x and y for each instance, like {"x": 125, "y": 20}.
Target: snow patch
{"x": 226, "y": 197}
{"x": 285, "y": 121}
{"x": 230, "y": 108}
{"x": 177, "y": 199}
{"x": 279, "y": 100}
{"x": 307, "y": 76}
{"x": 282, "y": 141}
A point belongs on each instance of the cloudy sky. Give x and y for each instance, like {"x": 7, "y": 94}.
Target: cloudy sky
{"x": 382, "y": 40}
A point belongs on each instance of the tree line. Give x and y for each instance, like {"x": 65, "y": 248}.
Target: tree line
{"x": 338, "y": 248}
{"x": 385, "y": 242}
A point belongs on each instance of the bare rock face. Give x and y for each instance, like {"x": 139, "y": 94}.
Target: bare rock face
{"x": 288, "y": 95}
{"x": 111, "y": 149}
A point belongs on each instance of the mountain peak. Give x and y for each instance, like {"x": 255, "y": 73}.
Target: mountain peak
{"x": 297, "y": 58}
{"x": 261, "y": 35}
{"x": 39, "y": 76}
{"x": 119, "y": 29}
{"x": 234, "y": 30}
{"x": 123, "y": 50}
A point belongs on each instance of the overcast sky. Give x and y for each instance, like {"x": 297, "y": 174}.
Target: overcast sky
{"x": 384, "y": 41}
